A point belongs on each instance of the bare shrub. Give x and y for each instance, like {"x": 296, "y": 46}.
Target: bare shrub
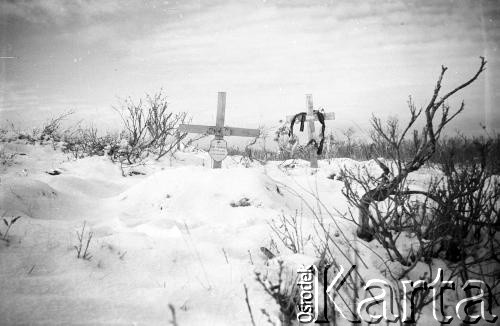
{"x": 288, "y": 229}
{"x": 250, "y": 154}
{"x": 459, "y": 206}
{"x": 285, "y": 141}
{"x": 457, "y": 216}
{"x": 332, "y": 245}
{"x": 288, "y": 145}
{"x": 467, "y": 212}
{"x": 390, "y": 136}
{"x": 462, "y": 205}
{"x": 3, "y": 133}
{"x": 8, "y": 224}
{"x": 284, "y": 295}
{"x": 93, "y": 144}
{"x": 7, "y": 159}
{"x": 464, "y": 150}
{"x": 87, "y": 142}
{"x": 83, "y": 244}
{"x": 51, "y": 130}
{"x": 338, "y": 146}
{"x": 162, "y": 125}
{"x": 149, "y": 128}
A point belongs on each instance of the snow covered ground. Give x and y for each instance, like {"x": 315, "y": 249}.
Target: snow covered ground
{"x": 173, "y": 235}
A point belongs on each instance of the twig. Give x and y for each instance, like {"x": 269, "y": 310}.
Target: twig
{"x": 248, "y": 304}
{"x": 174, "y": 318}
{"x": 225, "y": 255}
{"x": 250, "y": 255}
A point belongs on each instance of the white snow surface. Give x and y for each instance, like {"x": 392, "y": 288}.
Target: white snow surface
{"x": 170, "y": 236}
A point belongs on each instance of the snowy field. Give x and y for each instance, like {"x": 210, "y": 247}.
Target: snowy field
{"x": 176, "y": 233}
{"x": 111, "y": 214}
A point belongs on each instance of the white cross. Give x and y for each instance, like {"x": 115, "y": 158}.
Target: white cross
{"x": 218, "y": 146}
{"x": 310, "y": 118}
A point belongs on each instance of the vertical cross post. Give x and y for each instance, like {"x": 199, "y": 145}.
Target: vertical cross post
{"x": 218, "y": 146}
{"x": 313, "y": 158}
{"x": 219, "y": 123}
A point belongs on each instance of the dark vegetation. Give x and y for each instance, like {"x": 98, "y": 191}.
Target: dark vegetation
{"x": 346, "y": 144}
{"x": 149, "y": 130}
{"x": 456, "y": 218}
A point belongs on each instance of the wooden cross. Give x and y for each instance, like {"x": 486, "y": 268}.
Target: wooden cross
{"x": 218, "y": 146}
{"x": 311, "y": 118}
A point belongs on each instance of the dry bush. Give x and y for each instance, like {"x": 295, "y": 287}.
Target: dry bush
{"x": 82, "y": 246}
{"x": 288, "y": 145}
{"x": 8, "y": 225}
{"x": 149, "y": 128}
{"x": 288, "y": 230}
{"x": 464, "y": 150}
{"x": 466, "y": 215}
{"x": 346, "y": 146}
{"x": 249, "y": 153}
{"x": 461, "y": 205}
{"x": 284, "y": 296}
{"x": 456, "y": 218}
{"x": 361, "y": 149}
{"x": 51, "y": 130}
{"x": 368, "y": 192}
{"x": 333, "y": 245}
{"x": 87, "y": 142}
{"x": 7, "y": 159}
{"x": 390, "y": 136}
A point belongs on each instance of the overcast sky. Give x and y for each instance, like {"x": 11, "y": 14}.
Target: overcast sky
{"x": 355, "y": 57}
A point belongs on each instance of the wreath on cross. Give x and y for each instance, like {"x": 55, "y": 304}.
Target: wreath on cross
{"x": 301, "y": 117}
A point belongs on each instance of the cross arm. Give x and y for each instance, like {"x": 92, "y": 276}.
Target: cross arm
{"x": 198, "y": 129}
{"x": 243, "y": 132}
{"x": 221, "y": 131}
{"x": 313, "y": 117}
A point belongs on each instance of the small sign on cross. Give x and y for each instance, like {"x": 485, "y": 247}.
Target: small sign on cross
{"x": 311, "y": 118}
{"x": 218, "y": 150}
{"x": 218, "y": 146}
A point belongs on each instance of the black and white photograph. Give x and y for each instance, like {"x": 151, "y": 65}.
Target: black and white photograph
{"x": 250, "y": 162}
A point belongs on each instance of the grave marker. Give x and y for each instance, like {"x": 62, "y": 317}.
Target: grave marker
{"x": 311, "y": 118}
{"x": 218, "y": 146}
